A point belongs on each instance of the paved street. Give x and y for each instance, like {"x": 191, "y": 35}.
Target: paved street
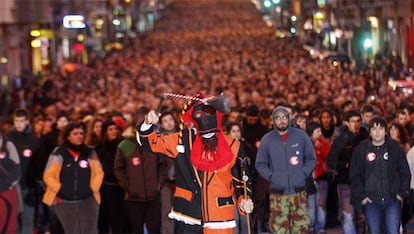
{"x": 338, "y": 230}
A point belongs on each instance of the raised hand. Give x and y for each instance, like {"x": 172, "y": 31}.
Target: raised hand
{"x": 152, "y": 117}
{"x": 246, "y": 205}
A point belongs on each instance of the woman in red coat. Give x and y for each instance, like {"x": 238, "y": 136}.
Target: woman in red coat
{"x": 319, "y": 174}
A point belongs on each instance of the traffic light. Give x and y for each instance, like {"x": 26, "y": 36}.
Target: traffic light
{"x": 363, "y": 39}
{"x": 367, "y": 43}
{"x": 270, "y": 4}
{"x": 293, "y": 21}
{"x": 267, "y": 3}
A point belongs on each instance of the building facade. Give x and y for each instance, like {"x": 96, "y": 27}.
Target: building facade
{"x": 39, "y": 36}
{"x": 366, "y": 28}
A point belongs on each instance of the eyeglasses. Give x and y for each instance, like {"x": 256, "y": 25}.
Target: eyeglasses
{"x": 283, "y": 117}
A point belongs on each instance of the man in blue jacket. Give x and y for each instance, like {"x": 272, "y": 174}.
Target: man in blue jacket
{"x": 285, "y": 158}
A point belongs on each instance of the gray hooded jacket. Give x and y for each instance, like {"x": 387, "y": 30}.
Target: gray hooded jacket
{"x": 286, "y": 164}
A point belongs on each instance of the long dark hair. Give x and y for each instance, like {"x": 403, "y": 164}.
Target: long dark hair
{"x": 403, "y": 132}
{"x": 327, "y": 132}
{"x": 231, "y": 124}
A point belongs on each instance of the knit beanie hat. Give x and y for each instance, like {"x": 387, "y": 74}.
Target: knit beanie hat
{"x": 252, "y": 110}
{"x": 105, "y": 126}
{"x": 120, "y": 122}
{"x": 281, "y": 109}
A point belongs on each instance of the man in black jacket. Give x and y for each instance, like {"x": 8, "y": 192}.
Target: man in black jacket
{"x": 380, "y": 179}
{"x": 339, "y": 159}
{"x": 253, "y": 131}
{"x": 26, "y": 143}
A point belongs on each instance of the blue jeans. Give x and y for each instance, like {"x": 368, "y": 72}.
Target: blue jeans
{"x": 317, "y": 206}
{"x": 313, "y": 212}
{"x": 344, "y": 198}
{"x": 27, "y": 214}
{"x": 321, "y": 196}
{"x": 383, "y": 215}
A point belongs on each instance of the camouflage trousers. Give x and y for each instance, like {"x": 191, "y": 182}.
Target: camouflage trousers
{"x": 289, "y": 213}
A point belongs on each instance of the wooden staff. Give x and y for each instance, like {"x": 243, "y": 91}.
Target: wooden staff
{"x": 245, "y": 178}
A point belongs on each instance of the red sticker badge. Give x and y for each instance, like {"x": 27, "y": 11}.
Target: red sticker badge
{"x": 371, "y": 156}
{"x": 83, "y": 164}
{"x": 27, "y": 153}
{"x": 136, "y": 161}
{"x": 294, "y": 160}
{"x": 2, "y": 155}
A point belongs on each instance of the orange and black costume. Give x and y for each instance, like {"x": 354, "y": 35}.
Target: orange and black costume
{"x": 208, "y": 183}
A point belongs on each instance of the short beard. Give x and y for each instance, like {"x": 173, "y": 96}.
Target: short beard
{"x": 282, "y": 129}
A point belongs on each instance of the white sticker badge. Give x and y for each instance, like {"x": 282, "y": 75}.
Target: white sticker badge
{"x": 27, "y": 153}
{"x": 294, "y": 160}
{"x": 83, "y": 164}
{"x": 371, "y": 156}
{"x": 136, "y": 161}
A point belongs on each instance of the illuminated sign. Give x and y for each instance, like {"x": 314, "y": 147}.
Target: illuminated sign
{"x": 74, "y": 21}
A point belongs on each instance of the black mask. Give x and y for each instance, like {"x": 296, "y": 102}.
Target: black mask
{"x": 206, "y": 119}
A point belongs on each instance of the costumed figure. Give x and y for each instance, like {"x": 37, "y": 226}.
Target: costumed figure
{"x": 208, "y": 170}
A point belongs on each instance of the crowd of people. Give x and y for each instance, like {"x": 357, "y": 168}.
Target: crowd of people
{"x": 209, "y": 47}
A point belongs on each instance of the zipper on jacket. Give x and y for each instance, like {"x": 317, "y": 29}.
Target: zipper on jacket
{"x": 288, "y": 184}
{"x": 143, "y": 176}
{"x": 75, "y": 183}
{"x": 287, "y": 165}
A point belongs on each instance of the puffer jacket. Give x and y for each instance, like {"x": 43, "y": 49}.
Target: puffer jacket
{"x": 58, "y": 180}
